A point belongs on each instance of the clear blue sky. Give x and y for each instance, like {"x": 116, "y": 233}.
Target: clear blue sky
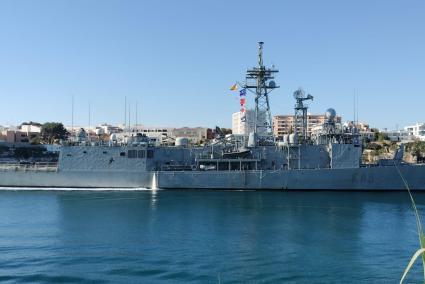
{"x": 179, "y": 58}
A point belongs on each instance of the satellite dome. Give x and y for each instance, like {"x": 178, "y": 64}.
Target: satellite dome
{"x": 330, "y": 114}
{"x": 272, "y": 84}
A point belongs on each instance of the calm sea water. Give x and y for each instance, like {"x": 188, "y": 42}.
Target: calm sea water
{"x": 206, "y": 237}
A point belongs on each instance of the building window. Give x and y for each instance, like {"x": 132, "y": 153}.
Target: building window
{"x": 122, "y": 154}
{"x": 104, "y": 152}
{"x": 149, "y": 154}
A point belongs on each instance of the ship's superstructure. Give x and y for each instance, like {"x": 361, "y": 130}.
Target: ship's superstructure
{"x": 330, "y": 159}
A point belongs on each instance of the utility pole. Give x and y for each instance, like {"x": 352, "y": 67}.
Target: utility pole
{"x": 88, "y": 132}
{"x": 125, "y": 113}
{"x": 72, "y": 117}
{"x": 129, "y": 117}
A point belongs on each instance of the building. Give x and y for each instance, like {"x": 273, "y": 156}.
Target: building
{"x": 284, "y": 124}
{"x": 27, "y": 132}
{"x": 243, "y": 123}
{"x": 398, "y": 135}
{"x": 195, "y": 134}
{"x": 109, "y": 129}
{"x": 16, "y": 136}
{"x": 157, "y": 135}
{"x": 30, "y": 127}
{"x": 417, "y": 131}
{"x": 362, "y": 128}
{"x": 154, "y": 131}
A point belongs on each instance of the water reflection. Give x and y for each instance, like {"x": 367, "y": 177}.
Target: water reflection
{"x": 154, "y": 197}
{"x": 197, "y": 235}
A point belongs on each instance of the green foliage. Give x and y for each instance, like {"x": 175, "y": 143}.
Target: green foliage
{"x": 419, "y": 252}
{"x": 416, "y": 148}
{"x": 226, "y": 131}
{"x": 380, "y": 136}
{"x": 222, "y": 130}
{"x": 374, "y": 146}
{"x": 35, "y": 141}
{"x": 51, "y": 131}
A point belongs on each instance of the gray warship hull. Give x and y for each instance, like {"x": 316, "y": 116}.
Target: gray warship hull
{"x": 328, "y": 159}
{"x": 365, "y": 178}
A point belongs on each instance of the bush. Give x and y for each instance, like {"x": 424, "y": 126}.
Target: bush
{"x": 416, "y": 148}
{"x": 374, "y": 146}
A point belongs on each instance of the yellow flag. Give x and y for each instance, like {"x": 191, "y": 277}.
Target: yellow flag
{"x": 234, "y": 87}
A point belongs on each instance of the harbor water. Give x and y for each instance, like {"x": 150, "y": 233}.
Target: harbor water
{"x": 207, "y": 237}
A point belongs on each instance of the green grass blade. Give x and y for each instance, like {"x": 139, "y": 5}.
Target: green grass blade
{"x": 412, "y": 261}
{"x": 419, "y": 228}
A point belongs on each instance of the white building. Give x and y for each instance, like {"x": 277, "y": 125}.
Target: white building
{"x": 30, "y": 127}
{"x": 398, "y": 135}
{"x": 243, "y": 123}
{"x": 109, "y": 129}
{"x": 417, "y": 131}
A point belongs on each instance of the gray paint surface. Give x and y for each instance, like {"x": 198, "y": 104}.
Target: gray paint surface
{"x": 301, "y": 167}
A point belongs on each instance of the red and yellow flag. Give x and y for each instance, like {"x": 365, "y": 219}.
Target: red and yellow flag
{"x": 234, "y": 87}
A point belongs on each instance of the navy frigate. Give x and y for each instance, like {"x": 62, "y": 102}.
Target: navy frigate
{"x": 331, "y": 159}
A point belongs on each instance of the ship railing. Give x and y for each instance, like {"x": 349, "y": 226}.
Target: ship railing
{"x": 39, "y": 166}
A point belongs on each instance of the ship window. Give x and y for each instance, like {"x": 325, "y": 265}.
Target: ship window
{"x": 122, "y": 154}
{"x": 141, "y": 154}
{"x": 104, "y": 152}
{"x": 68, "y": 155}
{"x": 84, "y": 152}
{"x": 149, "y": 154}
{"x": 132, "y": 154}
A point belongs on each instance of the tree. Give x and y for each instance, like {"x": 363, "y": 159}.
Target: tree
{"x": 35, "y": 140}
{"x": 226, "y": 131}
{"x": 51, "y": 131}
{"x": 379, "y": 136}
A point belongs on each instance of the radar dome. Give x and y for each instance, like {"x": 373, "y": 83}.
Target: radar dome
{"x": 330, "y": 114}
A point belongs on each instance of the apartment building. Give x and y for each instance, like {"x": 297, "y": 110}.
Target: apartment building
{"x": 284, "y": 124}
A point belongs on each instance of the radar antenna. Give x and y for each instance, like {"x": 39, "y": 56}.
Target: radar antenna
{"x": 300, "y": 119}
{"x": 260, "y": 79}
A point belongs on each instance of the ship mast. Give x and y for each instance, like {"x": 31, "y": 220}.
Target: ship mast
{"x": 260, "y": 80}
{"x": 300, "y": 118}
